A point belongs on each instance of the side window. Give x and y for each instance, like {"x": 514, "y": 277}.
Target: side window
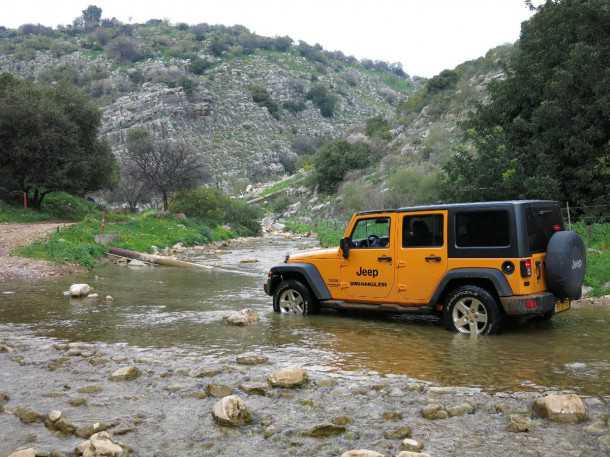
{"x": 371, "y": 233}
{"x": 422, "y": 231}
{"x": 482, "y": 229}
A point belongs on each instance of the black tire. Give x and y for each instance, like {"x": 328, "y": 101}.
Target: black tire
{"x": 472, "y": 298}
{"x": 565, "y": 265}
{"x": 292, "y": 288}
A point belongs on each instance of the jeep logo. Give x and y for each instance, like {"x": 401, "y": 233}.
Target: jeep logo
{"x": 576, "y": 264}
{"x": 372, "y": 272}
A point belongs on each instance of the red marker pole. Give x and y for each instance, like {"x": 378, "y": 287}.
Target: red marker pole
{"x": 25, "y": 200}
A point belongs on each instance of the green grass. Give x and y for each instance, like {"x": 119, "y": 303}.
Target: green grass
{"x": 56, "y": 206}
{"x": 14, "y": 214}
{"x": 76, "y": 244}
{"x": 597, "y": 239}
{"x": 283, "y": 185}
{"x": 329, "y": 232}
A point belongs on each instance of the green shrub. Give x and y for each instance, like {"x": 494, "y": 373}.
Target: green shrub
{"x": 335, "y": 159}
{"x": 323, "y": 99}
{"x": 199, "y": 65}
{"x": 261, "y": 97}
{"x": 378, "y": 127}
{"x": 294, "y": 106}
{"x": 123, "y": 50}
{"x": 60, "y": 205}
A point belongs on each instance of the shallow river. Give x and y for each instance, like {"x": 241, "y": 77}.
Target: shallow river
{"x": 182, "y": 309}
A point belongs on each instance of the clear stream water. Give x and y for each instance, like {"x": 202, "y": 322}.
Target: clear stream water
{"x": 183, "y": 309}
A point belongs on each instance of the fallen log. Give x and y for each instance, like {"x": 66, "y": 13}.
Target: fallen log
{"x": 156, "y": 259}
{"x": 172, "y": 262}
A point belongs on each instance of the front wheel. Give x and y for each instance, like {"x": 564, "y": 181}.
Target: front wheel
{"x": 293, "y": 297}
{"x": 472, "y": 310}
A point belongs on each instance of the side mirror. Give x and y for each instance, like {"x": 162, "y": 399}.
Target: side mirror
{"x": 344, "y": 245}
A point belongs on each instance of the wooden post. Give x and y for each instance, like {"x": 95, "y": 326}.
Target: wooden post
{"x": 25, "y": 200}
{"x": 569, "y": 218}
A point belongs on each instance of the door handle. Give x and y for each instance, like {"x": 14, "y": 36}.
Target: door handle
{"x": 433, "y": 258}
{"x": 384, "y": 258}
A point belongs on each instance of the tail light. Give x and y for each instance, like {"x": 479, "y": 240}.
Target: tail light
{"x": 557, "y": 228}
{"x": 526, "y": 268}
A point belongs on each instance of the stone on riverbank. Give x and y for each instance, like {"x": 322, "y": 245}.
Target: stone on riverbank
{"x": 79, "y": 290}
{"x": 241, "y": 318}
{"x": 409, "y": 444}
{"x": 568, "y": 409}
{"x": 460, "y": 410}
{"x": 31, "y": 452}
{"x": 519, "y": 423}
{"x": 218, "y": 390}
{"x": 288, "y": 377}
{"x": 361, "y": 453}
{"x": 125, "y": 374}
{"x": 231, "y": 411}
{"x": 434, "y": 411}
{"x": 254, "y": 388}
{"x": 398, "y": 433}
{"x": 100, "y": 445}
{"x": 251, "y": 359}
{"x": 324, "y": 430}
{"x": 28, "y": 415}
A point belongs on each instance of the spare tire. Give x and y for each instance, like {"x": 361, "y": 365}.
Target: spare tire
{"x": 565, "y": 265}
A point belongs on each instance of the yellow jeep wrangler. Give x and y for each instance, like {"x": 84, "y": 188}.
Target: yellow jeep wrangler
{"x": 473, "y": 263}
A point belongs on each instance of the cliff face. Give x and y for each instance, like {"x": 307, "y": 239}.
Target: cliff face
{"x": 213, "y": 109}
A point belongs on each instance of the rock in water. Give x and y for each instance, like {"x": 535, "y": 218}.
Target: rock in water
{"x": 28, "y": 415}
{"x": 518, "y": 423}
{"x": 561, "y": 408}
{"x": 409, "y": 444}
{"x": 100, "y": 445}
{"x": 125, "y": 374}
{"x": 288, "y": 377}
{"x": 231, "y": 411}
{"x": 80, "y": 290}
{"x": 24, "y": 453}
{"x": 412, "y": 454}
{"x": 361, "y": 453}
{"x": 324, "y": 430}
{"x": 251, "y": 359}
{"x": 460, "y": 410}
{"x": 241, "y": 318}
{"x": 398, "y": 433}
{"x": 218, "y": 390}
{"x": 434, "y": 411}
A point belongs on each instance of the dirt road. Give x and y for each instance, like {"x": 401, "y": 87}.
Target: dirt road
{"x": 15, "y": 235}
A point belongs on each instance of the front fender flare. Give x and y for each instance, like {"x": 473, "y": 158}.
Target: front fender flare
{"x": 308, "y": 272}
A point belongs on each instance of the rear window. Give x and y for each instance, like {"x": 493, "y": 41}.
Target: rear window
{"x": 482, "y": 229}
{"x": 541, "y": 223}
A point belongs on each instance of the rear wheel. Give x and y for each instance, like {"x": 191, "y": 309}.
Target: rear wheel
{"x": 294, "y": 297}
{"x": 472, "y": 310}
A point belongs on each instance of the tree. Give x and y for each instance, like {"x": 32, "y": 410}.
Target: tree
{"x": 323, "y": 99}
{"x": 335, "y": 159}
{"x": 165, "y": 166}
{"x": 49, "y": 138}
{"x": 130, "y": 189}
{"x": 545, "y": 131}
{"x": 92, "y": 17}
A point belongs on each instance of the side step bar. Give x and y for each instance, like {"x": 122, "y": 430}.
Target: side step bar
{"x": 385, "y": 307}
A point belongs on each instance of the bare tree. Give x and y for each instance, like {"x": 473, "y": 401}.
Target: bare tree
{"x": 130, "y": 189}
{"x": 165, "y": 166}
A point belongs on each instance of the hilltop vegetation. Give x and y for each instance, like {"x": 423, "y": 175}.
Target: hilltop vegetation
{"x": 239, "y": 99}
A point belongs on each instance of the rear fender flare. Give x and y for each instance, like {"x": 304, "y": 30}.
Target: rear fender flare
{"x": 309, "y": 273}
{"x": 496, "y": 277}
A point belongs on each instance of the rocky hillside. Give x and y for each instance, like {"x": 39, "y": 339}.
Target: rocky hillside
{"x": 241, "y": 99}
{"x": 412, "y": 144}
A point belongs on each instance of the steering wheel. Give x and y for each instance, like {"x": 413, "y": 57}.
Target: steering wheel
{"x": 371, "y": 239}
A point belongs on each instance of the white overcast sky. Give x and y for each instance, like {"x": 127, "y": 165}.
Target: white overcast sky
{"x": 427, "y": 36}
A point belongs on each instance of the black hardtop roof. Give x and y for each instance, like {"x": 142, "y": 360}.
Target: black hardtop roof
{"x": 440, "y": 206}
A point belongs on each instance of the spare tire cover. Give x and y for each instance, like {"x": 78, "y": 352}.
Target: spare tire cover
{"x": 565, "y": 262}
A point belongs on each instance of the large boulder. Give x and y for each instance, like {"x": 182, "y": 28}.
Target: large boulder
{"x": 561, "y": 408}
{"x": 231, "y": 411}
{"x": 361, "y": 453}
{"x": 241, "y": 318}
{"x": 100, "y": 445}
{"x": 288, "y": 377}
{"x": 79, "y": 290}
{"x": 125, "y": 374}
{"x": 24, "y": 453}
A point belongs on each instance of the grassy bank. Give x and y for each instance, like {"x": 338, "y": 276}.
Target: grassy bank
{"x": 76, "y": 244}
{"x": 56, "y": 206}
{"x": 597, "y": 239}
{"x": 596, "y": 236}
{"x": 328, "y": 232}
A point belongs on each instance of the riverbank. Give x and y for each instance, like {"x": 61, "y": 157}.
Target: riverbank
{"x": 163, "y": 406}
{"x": 13, "y": 236}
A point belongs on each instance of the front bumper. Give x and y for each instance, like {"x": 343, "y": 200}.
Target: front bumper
{"x": 523, "y": 305}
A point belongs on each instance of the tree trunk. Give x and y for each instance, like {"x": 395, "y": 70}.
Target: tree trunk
{"x": 165, "y": 202}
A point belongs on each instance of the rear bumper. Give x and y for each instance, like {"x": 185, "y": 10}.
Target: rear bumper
{"x": 523, "y": 305}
